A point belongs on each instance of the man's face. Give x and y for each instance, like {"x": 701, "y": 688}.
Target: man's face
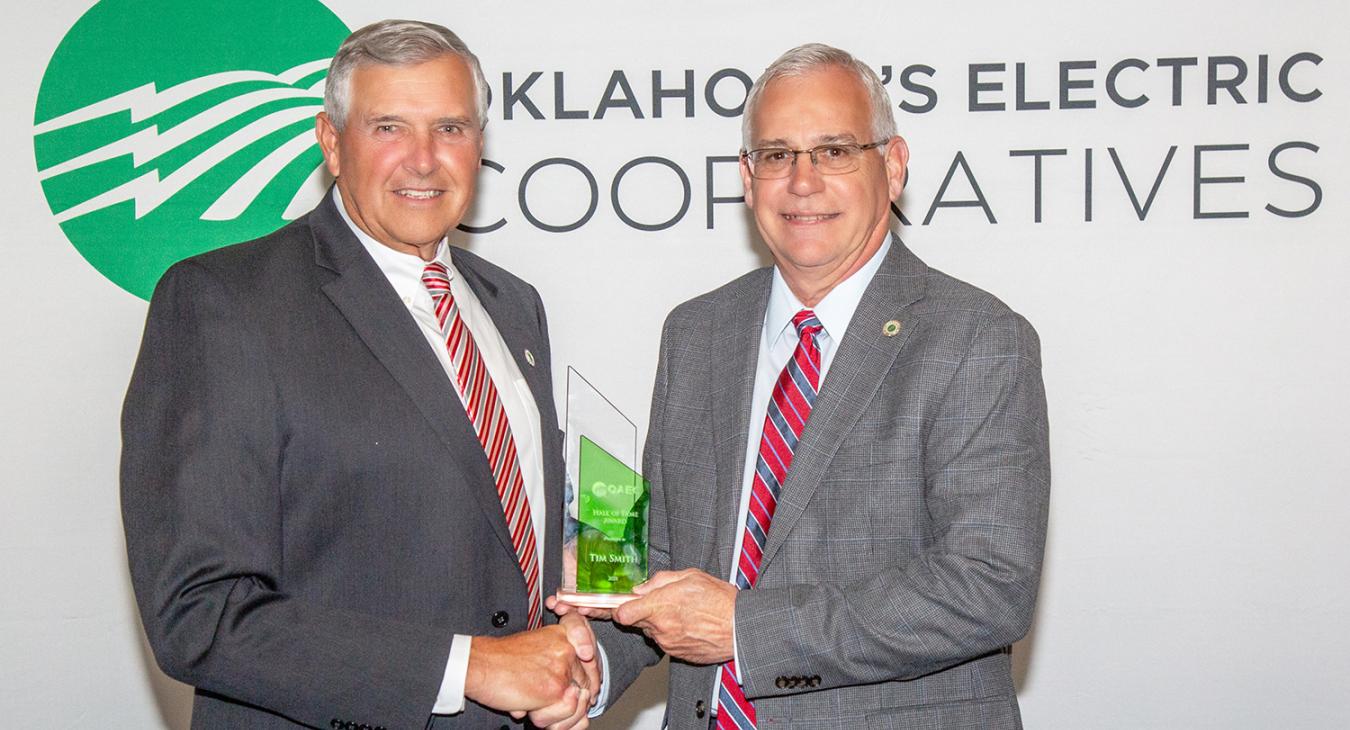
{"x": 822, "y": 227}
{"x": 407, "y": 161}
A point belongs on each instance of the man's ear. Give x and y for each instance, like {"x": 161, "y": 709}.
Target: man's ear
{"x": 746, "y": 182}
{"x": 897, "y": 166}
{"x": 327, "y": 134}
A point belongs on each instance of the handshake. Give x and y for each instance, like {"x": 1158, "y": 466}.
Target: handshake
{"x": 550, "y": 674}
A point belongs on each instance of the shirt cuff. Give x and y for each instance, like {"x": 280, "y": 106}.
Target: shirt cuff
{"x": 450, "y": 700}
{"x": 736, "y": 652}
{"x": 601, "y": 696}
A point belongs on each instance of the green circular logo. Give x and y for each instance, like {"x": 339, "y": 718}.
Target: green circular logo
{"x": 164, "y": 128}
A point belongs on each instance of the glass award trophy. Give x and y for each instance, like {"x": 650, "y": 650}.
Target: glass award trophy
{"x": 605, "y": 510}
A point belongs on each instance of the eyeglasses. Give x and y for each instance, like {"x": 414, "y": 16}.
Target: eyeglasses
{"x": 769, "y": 163}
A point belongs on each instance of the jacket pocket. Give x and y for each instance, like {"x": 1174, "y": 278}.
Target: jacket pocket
{"x": 993, "y": 713}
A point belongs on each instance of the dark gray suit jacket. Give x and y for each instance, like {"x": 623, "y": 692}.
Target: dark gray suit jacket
{"x": 309, "y": 514}
{"x": 905, "y": 553}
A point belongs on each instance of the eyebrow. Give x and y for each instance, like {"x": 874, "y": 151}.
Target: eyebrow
{"x": 386, "y": 118}
{"x": 461, "y": 121}
{"x": 845, "y": 138}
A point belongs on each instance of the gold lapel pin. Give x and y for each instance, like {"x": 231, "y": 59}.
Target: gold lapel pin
{"x": 529, "y": 358}
{"x": 891, "y": 328}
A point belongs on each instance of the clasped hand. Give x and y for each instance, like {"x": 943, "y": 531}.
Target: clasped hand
{"x": 688, "y": 613}
{"x": 551, "y": 674}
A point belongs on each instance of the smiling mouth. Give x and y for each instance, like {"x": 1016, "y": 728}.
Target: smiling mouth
{"x": 416, "y": 194}
{"x": 809, "y": 218}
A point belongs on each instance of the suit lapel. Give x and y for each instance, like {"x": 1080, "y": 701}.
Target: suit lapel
{"x": 864, "y": 358}
{"x": 365, "y": 298}
{"x": 734, "y": 348}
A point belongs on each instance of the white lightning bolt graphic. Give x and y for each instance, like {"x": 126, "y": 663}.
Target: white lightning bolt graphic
{"x": 232, "y": 203}
{"x": 144, "y": 102}
{"x": 149, "y": 191}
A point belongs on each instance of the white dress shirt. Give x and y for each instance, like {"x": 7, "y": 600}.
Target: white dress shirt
{"x": 778, "y": 340}
{"x": 404, "y": 272}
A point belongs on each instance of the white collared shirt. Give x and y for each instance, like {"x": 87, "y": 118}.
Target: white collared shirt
{"x": 778, "y": 340}
{"x": 404, "y": 272}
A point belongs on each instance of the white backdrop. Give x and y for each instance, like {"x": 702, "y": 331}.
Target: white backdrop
{"x": 1195, "y": 366}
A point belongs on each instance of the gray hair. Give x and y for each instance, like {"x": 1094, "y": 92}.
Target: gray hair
{"x": 812, "y": 57}
{"x": 396, "y": 43}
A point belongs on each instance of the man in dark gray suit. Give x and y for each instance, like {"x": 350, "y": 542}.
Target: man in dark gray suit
{"x": 848, "y": 452}
{"x": 341, "y": 471}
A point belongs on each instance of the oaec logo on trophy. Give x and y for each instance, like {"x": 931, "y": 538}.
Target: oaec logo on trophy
{"x": 164, "y": 129}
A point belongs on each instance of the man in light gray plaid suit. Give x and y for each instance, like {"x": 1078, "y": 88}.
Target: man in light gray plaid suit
{"x": 879, "y": 579}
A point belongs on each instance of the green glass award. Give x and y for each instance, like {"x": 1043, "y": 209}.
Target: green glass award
{"x": 605, "y": 515}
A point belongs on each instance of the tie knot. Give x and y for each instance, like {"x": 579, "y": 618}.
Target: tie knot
{"x": 806, "y": 323}
{"x": 436, "y": 278}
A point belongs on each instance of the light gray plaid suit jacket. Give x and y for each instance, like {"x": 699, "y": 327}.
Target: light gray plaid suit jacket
{"x": 905, "y": 553}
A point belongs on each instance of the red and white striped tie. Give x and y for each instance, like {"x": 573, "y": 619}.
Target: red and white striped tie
{"x": 494, "y": 432}
{"x": 790, "y": 405}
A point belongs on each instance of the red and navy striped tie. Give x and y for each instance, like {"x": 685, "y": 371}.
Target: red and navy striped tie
{"x": 494, "y": 432}
{"x": 789, "y": 407}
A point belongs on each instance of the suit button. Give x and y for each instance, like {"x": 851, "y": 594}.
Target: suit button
{"x": 499, "y": 619}
{"x": 780, "y": 683}
{"x": 815, "y": 680}
{"x": 336, "y": 724}
{"x": 700, "y": 709}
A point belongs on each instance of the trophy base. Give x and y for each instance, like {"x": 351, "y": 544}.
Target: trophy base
{"x": 595, "y": 600}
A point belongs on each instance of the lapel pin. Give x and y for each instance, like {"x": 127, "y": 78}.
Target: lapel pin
{"x": 891, "y": 328}
{"x": 529, "y": 358}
